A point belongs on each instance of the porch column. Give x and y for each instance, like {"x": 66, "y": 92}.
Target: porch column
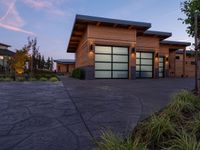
{"x": 184, "y": 61}
{"x": 132, "y": 62}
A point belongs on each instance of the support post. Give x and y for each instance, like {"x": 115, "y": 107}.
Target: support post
{"x": 184, "y": 62}
{"x": 196, "y": 53}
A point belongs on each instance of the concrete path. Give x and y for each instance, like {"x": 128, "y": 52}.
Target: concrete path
{"x": 50, "y": 116}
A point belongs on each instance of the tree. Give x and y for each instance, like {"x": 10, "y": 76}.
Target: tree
{"x": 189, "y": 7}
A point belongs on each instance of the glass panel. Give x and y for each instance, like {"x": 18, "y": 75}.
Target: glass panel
{"x": 120, "y": 66}
{"x": 120, "y": 74}
{"x": 161, "y": 59}
{"x": 146, "y": 68}
{"x": 161, "y": 69}
{"x": 160, "y": 74}
{"x": 105, "y": 58}
{"x": 160, "y": 64}
{"x": 103, "y": 49}
{"x": 102, "y": 74}
{"x": 137, "y": 68}
{"x": 146, "y": 55}
{"x": 120, "y": 50}
{"x": 137, "y": 61}
{"x": 137, "y": 74}
{"x": 146, "y": 61}
{"x": 103, "y": 66}
{"x": 117, "y": 58}
{"x": 137, "y": 54}
{"x": 146, "y": 74}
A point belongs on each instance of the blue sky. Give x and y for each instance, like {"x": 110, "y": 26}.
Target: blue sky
{"x": 51, "y": 20}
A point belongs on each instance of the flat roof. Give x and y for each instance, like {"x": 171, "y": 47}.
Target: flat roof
{"x": 81, "y": 22}
{"x": 162, "y": 35}
{"x": 2, "y": 44}
{"x": 6, "y": 52}
{"x": 65, "y": 61}
{"x": 188, "y": 52}
{"x": 175, "y": 43}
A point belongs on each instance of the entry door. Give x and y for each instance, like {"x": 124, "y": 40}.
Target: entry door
{"x": 144, "y": 64}
{"x": 161, "y": 67}
{"x": 111, "y": 62}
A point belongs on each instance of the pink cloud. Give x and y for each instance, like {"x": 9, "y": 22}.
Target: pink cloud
{"x": 11, "y": 20}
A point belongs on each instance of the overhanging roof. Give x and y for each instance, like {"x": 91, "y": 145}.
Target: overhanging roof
{"x": 160, "y": 34}
{"x": 2, "y": 44}
{"x": 65, "y": 61}
{"x": 178, "y": 43}
{"x": 81, "y": 22}
{"x": 5, "y": 52}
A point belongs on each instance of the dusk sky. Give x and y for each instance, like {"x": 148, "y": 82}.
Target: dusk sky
{"x": 51, "y": 20}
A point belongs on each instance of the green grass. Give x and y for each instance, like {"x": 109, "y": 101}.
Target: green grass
{"x": 176, "y": 127}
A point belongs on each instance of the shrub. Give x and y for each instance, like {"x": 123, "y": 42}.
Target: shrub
{"x": 43, "y": 79}
{"x": 78, "y": 73}
{"x": 53, "y": 79}
{"x": 194, "y": 126}
{"x": 110, "y": 141}
{"x": 7, "y": 79}
{"x": 20, "y": 79}
{"x": 32, "y": 79}
{"x": 184, "y": 141}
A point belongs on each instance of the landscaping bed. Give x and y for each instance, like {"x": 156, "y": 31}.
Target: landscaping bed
{"x": 176, "y": 127}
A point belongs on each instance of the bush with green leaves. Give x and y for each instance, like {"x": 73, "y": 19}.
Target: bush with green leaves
{"x": 43, "y": 79}
{"x": 78, "y": 73}
{"x": 53, "y": 79}
{"x": 7, "y": 79}
{"x": 20, "y": 79}
{"x": 32, "y": 79}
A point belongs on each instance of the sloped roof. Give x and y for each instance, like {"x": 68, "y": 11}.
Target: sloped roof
{"x": 175, "y": 43}
{"x": 6, "y": 52}
{"x": 65, "y": 61}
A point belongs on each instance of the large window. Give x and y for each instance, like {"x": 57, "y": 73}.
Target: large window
{"x": 111, "y": 62}
{"x": 144, "y": 65}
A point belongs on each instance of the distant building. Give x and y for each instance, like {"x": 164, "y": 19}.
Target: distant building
{"x": 5, "y": 55}
{"x": 65, "y": 65}
{"x": 189, "y": 63}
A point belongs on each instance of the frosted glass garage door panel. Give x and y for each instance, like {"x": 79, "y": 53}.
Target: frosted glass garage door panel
{"x": 146, "y": 61}
{"x": 120, "y": 50}
{"x": 120, "y": 66}
{"x": 146, "y": 68}
{"x": 103, "y": 49}
{"x": 146, "y": 55}
{"x": 103, "y": 66}
{"x": 102, "y": 74}
{"x": 103, "y": 58}
{"x": 117, "y": 58}
{"x": 120, "y": 74}
{"x": 146, "y": 74}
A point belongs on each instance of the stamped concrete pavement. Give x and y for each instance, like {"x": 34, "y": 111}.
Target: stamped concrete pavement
{"x": 50, "y": 116}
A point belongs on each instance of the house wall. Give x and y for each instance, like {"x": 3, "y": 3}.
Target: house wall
{"x": 149, "y": 44}
{"x": 189, "y": 66}
{"x": 65, "y": 68}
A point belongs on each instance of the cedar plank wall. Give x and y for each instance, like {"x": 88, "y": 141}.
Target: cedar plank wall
{"x": 190, "y": 68}
{"x": 149, "y": 44}
{"x": 82, "y": 53}
{"x": 115, "y": 36}
{"x": 63, "y": 68}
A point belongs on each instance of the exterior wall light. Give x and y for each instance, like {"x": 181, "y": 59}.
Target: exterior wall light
{"x": 133, "y": 50}
{"x": 167, "y": 59}
{"x": 156, "y": 55}
{"x": 92, "y": 48}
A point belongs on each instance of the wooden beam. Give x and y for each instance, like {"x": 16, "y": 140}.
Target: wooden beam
{"x": 98, "y": 24}
{"x": 115, "y": 25}
{"x": 130, "y": 27}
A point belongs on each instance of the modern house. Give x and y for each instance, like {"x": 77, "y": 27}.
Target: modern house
{"x": 65, "y": 65}
{"x": 5, "y": 55}
{"x": 119, "y": 49}
{"x": 189, "y": 64}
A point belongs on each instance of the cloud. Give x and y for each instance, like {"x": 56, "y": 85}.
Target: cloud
{"x": 11, "y": 20}
{"x": 50, "y": 6}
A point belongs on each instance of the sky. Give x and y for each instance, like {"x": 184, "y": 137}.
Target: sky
{"x": 51, "y": 21}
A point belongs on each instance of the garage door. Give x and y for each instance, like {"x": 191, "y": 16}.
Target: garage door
{"x": 144, "y": 65}
{"x": 111, "y": 62}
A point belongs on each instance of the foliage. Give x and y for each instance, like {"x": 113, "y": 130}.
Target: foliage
{"x": 175, "y": 127}
{"x": 6, "y": 79}
{"x": 110, "y": 141}
{"x": 189, "y": 7}
{"x": 78, "y": 73}
{"x": 43, "y": 79}
{"x": 184, "y": 141}
{"x": 53, "y": 79}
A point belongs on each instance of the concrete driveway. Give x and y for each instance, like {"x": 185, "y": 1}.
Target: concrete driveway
{"x": 50, "y": 116}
